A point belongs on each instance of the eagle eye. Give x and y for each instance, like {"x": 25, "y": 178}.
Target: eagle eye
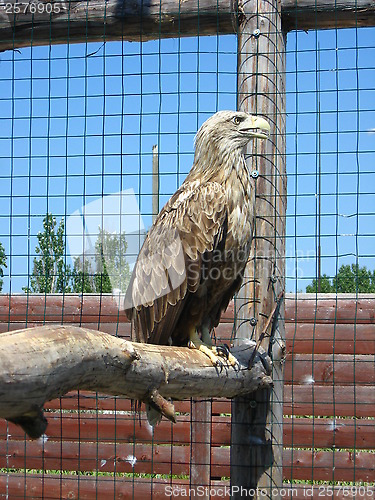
{"x": 236, "y": 120}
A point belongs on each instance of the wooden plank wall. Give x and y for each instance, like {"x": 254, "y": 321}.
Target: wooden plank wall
{"x": 329, "y": 401}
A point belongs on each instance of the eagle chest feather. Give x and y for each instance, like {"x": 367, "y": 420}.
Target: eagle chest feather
{"x": 241, "y": 197}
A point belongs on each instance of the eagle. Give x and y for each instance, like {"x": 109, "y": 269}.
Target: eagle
{"x": 193, "y": 258}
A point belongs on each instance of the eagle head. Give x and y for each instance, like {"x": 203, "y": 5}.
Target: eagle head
{"x": 227, "y": 131}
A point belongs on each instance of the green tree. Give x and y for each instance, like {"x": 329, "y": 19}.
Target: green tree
{"x": 3, "y": 263}
{"x": 325, "y": 285}
{"x": 352, "y": 278}
{"x": 50, "y": 274}
{"x": 83, "y": 276}
{"x": 111, "y": 269}
{"x": 102, "y": 279}
{"x": 349, "y": 279}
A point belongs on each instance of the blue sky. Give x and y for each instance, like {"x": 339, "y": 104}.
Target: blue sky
{"x": 96, "y": 111}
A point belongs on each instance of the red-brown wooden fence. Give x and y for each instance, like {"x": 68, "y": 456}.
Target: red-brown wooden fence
{"x": 329, "y": 401}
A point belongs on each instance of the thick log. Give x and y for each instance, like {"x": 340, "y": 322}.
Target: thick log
{"x": 96, "y": 20}
{"x": 321, "y": 14}
{"x": 45, "y": 22}
{"x": 44, "y": 363}
{"x": 306, "y": 399}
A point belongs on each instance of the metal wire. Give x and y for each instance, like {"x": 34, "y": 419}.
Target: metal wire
{"x": 77, "y": 124}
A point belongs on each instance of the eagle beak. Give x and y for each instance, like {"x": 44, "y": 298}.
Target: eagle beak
{"x": 255, "y": 126}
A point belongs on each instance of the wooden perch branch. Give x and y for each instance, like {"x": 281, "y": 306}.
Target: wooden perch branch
{"x": 43, "y": 363}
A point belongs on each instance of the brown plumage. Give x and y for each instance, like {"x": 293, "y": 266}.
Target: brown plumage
{"x": 193, "y": 258}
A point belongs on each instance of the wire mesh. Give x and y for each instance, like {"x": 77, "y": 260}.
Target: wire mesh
{"x": 78, "y": 126}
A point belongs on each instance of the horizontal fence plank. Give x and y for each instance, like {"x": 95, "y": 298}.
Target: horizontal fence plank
{"x": 298, "y": 432}
{"x": 302, "y": 338}
{"x": 324, "y": 308}
{"x": 330, "y": 309}
{"x": 67, "y": 308}
{"x": 330, "y": 338}
{"x": 136, "y": 21}
{"x": 328, "y": 465}
{"x": 88, "y": 456}
{"x": 55, "y": 487}
{"x": 340, "y": 369}
{"x": 339, "y": 401}
{"x": 119, "y": 429}
{"x": 149, "y": 459}
{"x": 342, "y": 325}
{"x": 76, "y": 308}
{"x": 317, "y": 465}
{"x": 329, "y": 433}
{"x": 118, "y": 329}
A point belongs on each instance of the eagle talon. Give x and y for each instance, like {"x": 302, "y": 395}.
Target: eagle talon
{"x": 223, "y": 351}
{"x": 211, "y": 352}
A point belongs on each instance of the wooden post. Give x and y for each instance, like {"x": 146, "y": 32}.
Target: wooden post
{"x": 256, "y": 442}
{"x": 200, "y": 447}
{"x": 155, "y": 182}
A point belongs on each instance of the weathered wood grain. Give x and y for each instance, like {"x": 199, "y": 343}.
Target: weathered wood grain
{"x": 118, "y": 428}
{"x": 299, "y": 464}
{"x": 333, "y": 310}
{"x": 256, "y": 445}
{"x": 102, "y": 487}
{"x": 46, "y": 362}
{"x": 139, "y": 20}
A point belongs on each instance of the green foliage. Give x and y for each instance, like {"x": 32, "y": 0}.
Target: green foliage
{"x": 111, "y": 269}
{"x": 325, "y": 285}
{"x": 349, "y": 279}
{"x": 102, "y": 279}
{"x": 83, "y": 276}
{"x": 352, "y": 278}
{"x": 108, "y": 270}
{"x": 50, "y": 274}
{"x": 3, "y": 263}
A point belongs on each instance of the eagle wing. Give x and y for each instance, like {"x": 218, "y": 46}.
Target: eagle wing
{"x": 170, "y": 265}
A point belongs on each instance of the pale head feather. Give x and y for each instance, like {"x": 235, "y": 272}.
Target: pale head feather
{"x": 221, "y": 140}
